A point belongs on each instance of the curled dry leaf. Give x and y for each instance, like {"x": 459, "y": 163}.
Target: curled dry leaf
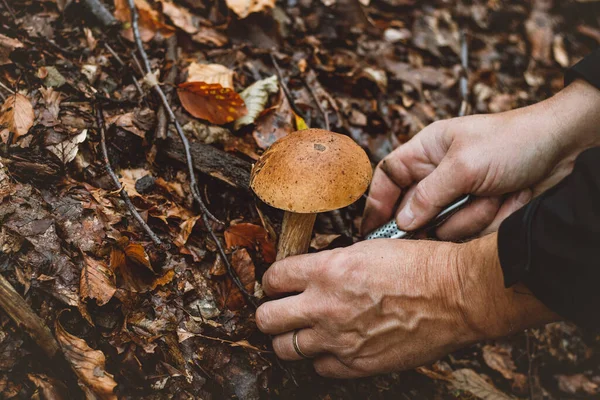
{"x": 150, "y": 21}
{"x": 255, "y": 96}
{"x": 244, "y": 268}
{"x": 207, "y": 35}
{"x": 50, "y": 388}
{"x": 87, "y": 363}
{"x": 211, "y": 102}
{"x": 321, "y": 241}
{"x": 468, "y": 380}
{"x": 67, "y": 149}
{"x": 211, "y": 73}
{"x": 16, "y": 117}
{"x": 275, "y": 123}
{"x": 7, "y": 46}
{"x": 499, "y": 359}
{"x": 133, "y": 264}
{"x": 251, "y": 236}
{"x": 180, "y": 16}
{"x": 577, "y": 383}
{"x": 97, "y": 281}
{"x": 243, "y": 8}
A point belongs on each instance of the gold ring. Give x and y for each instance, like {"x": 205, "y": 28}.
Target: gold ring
{"x": 296, "y": 347}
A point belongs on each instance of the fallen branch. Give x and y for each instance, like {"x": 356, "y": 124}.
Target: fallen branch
{"x": 206, "y": 215}
{"x": 136, "y": 215}
{"x": 19, "y": 311}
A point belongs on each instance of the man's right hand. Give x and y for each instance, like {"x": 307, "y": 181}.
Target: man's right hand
{"x": 503, "y": 159}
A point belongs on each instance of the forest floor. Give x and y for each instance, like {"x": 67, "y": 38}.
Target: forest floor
{"x": 99, "y": 302}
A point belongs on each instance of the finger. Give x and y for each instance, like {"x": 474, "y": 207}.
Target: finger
{"x": 471, "y": 220}
{"x": 329, "y": 366}
{"x": 289, "y": 275}
{"x": 514, "y": 202}
{"x": 309, "y": 342}
{"x": 431, "y": 195}
{"x": 282, "y": 315}
{"x": 407, "y": 164}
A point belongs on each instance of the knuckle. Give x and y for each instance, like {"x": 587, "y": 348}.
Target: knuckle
{"x": 465, "y": 167}
{"x": 323, "y": 368}
{"x": 263, "y": 318}
{"x": 279, "y": 347}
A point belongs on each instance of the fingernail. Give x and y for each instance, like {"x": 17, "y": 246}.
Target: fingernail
{"x": 406, "y": 217}
{"x": 524, "y": 197}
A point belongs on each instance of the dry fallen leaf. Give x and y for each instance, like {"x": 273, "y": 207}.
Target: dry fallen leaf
{"x": 66, "y": 151}
{"x": 243, "y": 8}
{"x": 207, "y": 35}
{"x": 180, "y": 16}
{"x": 50, "y": 388}
{"x": 7, "y": 46}
{"x": 97, "y": 281}
{"x": 255, "y": 96}
{"x": 499, "y": 358}
{"x": 211, "y": 73}
{"x": 16, "y": 117}
{"x": 540, "y": 32}
{"x": 150, "y": 21}
{"x": 244, "y": 268}
{"x": 468, "y": 380}
{"x": 133, "y": 264}
{"x": 321, "y": 241}
{"x": 211, "y": 102}
{"x": 87, "y": 363}
{"x": 560, "y": 53}
{"x": 251, "y": 236}
{"x": 577, "y": 383}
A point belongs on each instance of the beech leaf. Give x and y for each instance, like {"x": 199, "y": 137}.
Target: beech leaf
{"x": 211, "y": 102}
{"x": 251, "y": 236}
{"x": 256, "y": 96}
{"x": 67, "y": 150}
{"x": 16, "y": 116}
{"x": 97, "y": 281}
{"x": 243, "y": 8}
{"x": 211, "y": 73}
{"x": 468, "y": 380}
{"x": 87, "y": 363}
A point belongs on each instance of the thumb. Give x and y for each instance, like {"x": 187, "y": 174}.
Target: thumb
{"x": 430, "y": 196}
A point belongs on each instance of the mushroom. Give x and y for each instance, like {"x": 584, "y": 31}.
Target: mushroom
{"x": 305, "y": 173}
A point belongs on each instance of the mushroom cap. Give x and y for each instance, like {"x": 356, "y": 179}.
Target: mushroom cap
{"x": 311, "y": 171}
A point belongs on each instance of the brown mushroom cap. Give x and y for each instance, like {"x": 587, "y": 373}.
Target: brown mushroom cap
{"x": 311, "y": 171}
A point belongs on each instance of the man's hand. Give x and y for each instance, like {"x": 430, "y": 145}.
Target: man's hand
{"x": 386, "y": 305}
{"x": 503, "y": 159}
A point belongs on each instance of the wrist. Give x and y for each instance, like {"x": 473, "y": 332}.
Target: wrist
{"x": 490, "y": 310}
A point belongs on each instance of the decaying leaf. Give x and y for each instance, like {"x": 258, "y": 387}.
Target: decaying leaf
{"x": 578, "y": 383}
{"x": 50, "y": 388}
{"x": 137, "y": 122}
{"x": 211, "y": 73}
{"x": 135, "y": 269}
{"x": 7, "y": 46}
{"x": 470, "y": 381}
{"x": 97, "y": 281}
{"x": 245, "y": 270}
{"x": 540, "y": 31}
{"x": 276, "y": 122}
{"x": 499, "y": 359}
{"x": 207, "y": 35}
{"x": 180, "y": 16}
{"x": 186, "y": 229}
{"x": 243, "y": 8}
{"x": 211, "y": 102}
{"x": 255, "y": 96}
{"x": 150, "y": 21}
{"x": 67, "y": 149}
{"x": 322, "y": 241}
{"x": 16, "y": 117}
{"x": 251, "y": 236}
{"x": 87, "y": 363}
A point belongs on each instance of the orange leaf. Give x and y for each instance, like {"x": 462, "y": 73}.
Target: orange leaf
{"x": 244, "y": 268}
{"x": 97, "y": 281}
{"x": 16, "y": 116}
{"x": 211, "y": 102}
{"x": 251, "y": 236}
{"x": 150, "y": 21}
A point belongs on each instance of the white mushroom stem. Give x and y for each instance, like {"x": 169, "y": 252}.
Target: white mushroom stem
{"x": 296, "y": 232}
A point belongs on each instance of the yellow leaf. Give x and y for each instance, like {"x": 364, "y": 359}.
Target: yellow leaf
{"x": 243, "y": 8}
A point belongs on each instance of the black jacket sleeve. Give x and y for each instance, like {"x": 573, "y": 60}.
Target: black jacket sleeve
{"x": 552, "y": 245}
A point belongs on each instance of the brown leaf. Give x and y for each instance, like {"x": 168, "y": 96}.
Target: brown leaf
{"x": 150, "y": 21}
{"x": 321, "y": 241}
{"x": 180, "y": 16}
{"x": 207, "y": 35}
{"x": 577, "y": 383}
{"x": 87, "y": 363}
{"x": 499, "y": 358}
{"x": 244, "y": 268}
{"x": 186, "y": 229}
{"x": 540, "y": 32}
{"x": 251, "y": 236}
{"x": 97, "y": 281}
{"x": 136, "y": 271}
{"x": 50, "y": 388}
{"x": 211, "y": 102}
{"x": 243, "y": 8}
{"x": 470, "y": 381}
{"x": 211, "y": 73}
{"x": 273, "y": 124}
{"x": 7, "y": 46}
{"x": 16, "y": 116}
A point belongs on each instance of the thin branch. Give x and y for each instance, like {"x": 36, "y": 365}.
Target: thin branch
{"x": 9, "y": 90}
{"x": 286, "y": 90}
{"x": 15, "y": 306}
{"x": 136, "y": 215}
{"x": 206, "y": 215}
{"x": 318, "y": 103}
{"x": 125, "y": 67}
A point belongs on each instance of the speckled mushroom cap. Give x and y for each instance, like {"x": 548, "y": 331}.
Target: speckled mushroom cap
{"x": 311, "y": 171}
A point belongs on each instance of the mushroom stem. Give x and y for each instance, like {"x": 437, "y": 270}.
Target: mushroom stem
{"x": 296, "y": 231}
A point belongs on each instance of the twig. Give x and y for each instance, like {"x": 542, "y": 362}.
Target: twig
{"x": 317, "y": 102}
{"x": 10, "y": 10}
{"x": 117, "y": 183}
{"x": 206, "y": 215}
{"x": 15, "y": 306}
{"x": 124, "y": 66}
{"x": 171, "y": 56}
{"x": 101, "y": 13}
{"x": 9, "y": 90}
{"x": 464, "y": 77}
{"x": 286, "y": 90}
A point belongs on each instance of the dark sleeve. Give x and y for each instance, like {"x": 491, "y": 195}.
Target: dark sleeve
{"x": 553, "y": 244}
{"x": 587, "y": 69}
